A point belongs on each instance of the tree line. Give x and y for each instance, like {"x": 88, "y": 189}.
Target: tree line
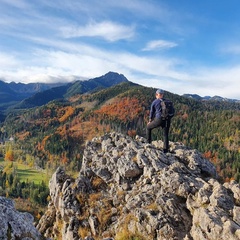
{"x": 11, "y": 186}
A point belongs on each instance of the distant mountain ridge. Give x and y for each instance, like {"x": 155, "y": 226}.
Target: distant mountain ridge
{"x": 32, "y": 87}
{"x": 12, "y": 93}
{"x": 208, "y": 98}
{"x": 36, "y": 94}
{"x": 71, "y": 89}
{"x": 20, "y": 95}
{"x": 25, "y": 89}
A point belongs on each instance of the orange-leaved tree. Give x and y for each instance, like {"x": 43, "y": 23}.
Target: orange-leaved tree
{"x": 9, "y": 156}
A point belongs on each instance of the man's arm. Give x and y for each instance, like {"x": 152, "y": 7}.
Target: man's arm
{"x": 152, "y": 112}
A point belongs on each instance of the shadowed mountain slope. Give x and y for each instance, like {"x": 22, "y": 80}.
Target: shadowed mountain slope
{"x": 71, "y": 89}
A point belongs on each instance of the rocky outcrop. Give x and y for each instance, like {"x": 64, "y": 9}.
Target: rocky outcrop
{"x": 128, "y": 189}
{"x": 14, "y": 224}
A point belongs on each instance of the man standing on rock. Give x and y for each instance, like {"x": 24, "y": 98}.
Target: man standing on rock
{"x": 161, "y": 113}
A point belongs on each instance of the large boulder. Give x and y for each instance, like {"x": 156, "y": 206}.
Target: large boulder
{"x": 16, "y": 225}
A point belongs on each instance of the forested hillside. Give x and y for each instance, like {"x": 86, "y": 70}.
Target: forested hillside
{"x": 54, "y": 134}
{"x": 12, "y": 93}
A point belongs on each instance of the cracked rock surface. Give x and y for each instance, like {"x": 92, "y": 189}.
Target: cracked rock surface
{"x": 15, "y": 225}
{"x": 127, "y": 187}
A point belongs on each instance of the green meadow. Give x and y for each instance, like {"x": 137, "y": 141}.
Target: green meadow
{"x": 26, "y": 173}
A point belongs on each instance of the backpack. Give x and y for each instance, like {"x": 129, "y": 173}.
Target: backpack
{"x": 167, "y": 109}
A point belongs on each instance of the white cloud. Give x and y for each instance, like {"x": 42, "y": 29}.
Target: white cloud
{"x": 159, "y": 44}
{"x": 68, "y": 61}
{"x": 91, "y": 62}
{"x": 8, "y": 61}
{"x": 108, "y": 30}
{"x": 214, "y": 81}
{"x": 85, "y": 60}
{"x": 231, "y": 49}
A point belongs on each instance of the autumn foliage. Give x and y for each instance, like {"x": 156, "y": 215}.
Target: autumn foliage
{"x": 124, "y": 109}
{"x": 55, "y": 133}
{"x": 9, "y": 156}
{"x": 67, "y": 112}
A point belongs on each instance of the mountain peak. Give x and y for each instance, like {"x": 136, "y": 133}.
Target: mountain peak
{"x": 111, "y": 78}
{"x": 129, "y": 188}
{"x": 115, "y": 74}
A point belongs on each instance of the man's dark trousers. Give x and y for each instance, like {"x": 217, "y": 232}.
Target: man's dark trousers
{"x": 165, "y": 124}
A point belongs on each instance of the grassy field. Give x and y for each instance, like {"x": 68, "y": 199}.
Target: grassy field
{"x": 26, "y": 173}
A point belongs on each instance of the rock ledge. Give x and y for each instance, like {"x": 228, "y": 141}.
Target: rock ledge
{"x": 14, "y": 224}
{"x": 128, "y": 188}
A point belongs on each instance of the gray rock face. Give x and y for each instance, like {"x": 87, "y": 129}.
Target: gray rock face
{"x": 14, "y": 224}
{"x": 128, "y": 188}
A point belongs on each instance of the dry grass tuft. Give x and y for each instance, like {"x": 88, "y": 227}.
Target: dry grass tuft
{"x": 153, "y": 206}
{"x": 125, "y": 234}
{"x": 83, "y": 232}
{"x": 93, "y": 198}
{"x": 97, "y": 183}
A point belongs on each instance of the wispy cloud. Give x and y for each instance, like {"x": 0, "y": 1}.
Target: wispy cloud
{"x": 159, "y": 45}
{"x": 231, "y": 49}
{"x": 20, "y": 4}
{"x": 108, "y": 30}
{"x": 8, "y": 61}
{"x": 74, "y": 61}
{"x": 78, "y": 59}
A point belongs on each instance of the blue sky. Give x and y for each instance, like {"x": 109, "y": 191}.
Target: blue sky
{"x": 181, "y": 46}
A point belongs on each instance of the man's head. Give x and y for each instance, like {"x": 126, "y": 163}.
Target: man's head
{"x": 159, "y": 93}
